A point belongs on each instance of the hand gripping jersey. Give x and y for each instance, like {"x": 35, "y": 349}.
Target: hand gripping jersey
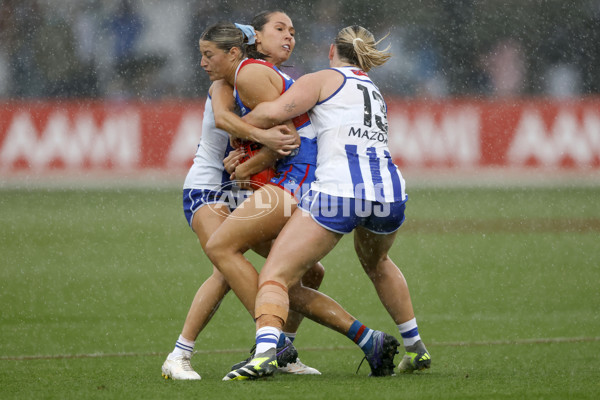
{"x": 262, "y": 178}
{"x": 307, "y": 152}
{"x": 352, "y": 134}
{"x": 207, "y": 171}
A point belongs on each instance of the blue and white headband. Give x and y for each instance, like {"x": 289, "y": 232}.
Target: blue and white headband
{"x": 248, "y": 31}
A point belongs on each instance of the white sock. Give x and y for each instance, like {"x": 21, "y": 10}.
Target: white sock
{"x": 266, "y": 338}
{"x": 183, "y": 347}
{"x": 409, "y": 332}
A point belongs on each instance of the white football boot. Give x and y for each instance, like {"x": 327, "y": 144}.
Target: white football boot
{"x": 180, "y": 369}
{"x": 299, "y": 368}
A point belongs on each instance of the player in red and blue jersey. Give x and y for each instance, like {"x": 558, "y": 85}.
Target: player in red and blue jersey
{"x": 295, "y": 171}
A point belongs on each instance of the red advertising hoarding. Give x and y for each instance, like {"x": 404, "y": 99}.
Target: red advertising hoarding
{"x": 40, "y": 138}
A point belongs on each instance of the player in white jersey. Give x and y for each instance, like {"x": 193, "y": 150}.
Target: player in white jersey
{"x": 268, "y": 209}
{"x": 207, "y": 171}
{"x": 208, "y": 198}
{"x": 358, "y": 188}
{"x": 354, "y": 160}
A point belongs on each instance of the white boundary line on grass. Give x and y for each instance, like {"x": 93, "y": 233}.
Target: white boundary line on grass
{"x": 222, "y": 351}
{"x": 415, "y": 177}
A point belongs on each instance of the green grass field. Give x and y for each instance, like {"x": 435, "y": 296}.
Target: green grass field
{"x": 95, "y": 285}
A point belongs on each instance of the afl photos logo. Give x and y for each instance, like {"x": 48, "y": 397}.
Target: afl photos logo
{"x": 250, "y": 204}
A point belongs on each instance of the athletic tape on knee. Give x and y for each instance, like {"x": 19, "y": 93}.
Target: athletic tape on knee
{"x": 272, "y": 299}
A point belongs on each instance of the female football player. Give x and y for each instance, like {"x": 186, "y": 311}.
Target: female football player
{"x": 206, "y": 206}
{"x": 357, "y": 188}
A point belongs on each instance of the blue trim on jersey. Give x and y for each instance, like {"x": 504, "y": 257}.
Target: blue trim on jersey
{"x": 362, "y": 80}
{"x": 305, "y": 154}
{"x": 354, "y": 165}
{"x": 338, "y": 89}
{"x": 288, "y": 81}
{"x": 225, "y": 176}
{"x": 344, "y": 83}
{"x": 396, "y": 184}
{"x": 376, "y": 173}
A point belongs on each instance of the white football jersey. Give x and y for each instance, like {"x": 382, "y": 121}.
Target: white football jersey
{"x": 353, "y": 158}
{"x": 208, "y": 171}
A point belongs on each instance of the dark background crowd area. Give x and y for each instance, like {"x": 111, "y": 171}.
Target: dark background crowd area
{"x": 148, "y": 49}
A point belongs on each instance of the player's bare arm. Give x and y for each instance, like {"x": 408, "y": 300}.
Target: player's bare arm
{"x": 298, "y": 99}
{"x": 263, "y": 159}
{"x": 256, "y": 87}
{"x": 278, "y": 138}
{"x": 289, "y": 108}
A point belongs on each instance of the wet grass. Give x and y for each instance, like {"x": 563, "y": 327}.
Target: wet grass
{"x": 95, "y": 285}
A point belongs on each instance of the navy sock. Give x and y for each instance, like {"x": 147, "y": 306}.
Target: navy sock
{"x": 361, "y": 335}
{"x": 281, "y": 342}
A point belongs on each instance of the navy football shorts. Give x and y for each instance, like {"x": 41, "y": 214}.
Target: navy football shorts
{"x": 193, "y": 199}
{"x": 343, "y": 214}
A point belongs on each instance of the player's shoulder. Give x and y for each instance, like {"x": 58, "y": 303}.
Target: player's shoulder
{"x": 323, "y": 75}
{"x": 256, "y": 74}
{"x": 220, "y": 87}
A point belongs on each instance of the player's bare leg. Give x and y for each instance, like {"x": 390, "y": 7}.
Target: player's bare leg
{"x": 205, "y": 303}
{"x": 287, "y": 263}
{"x": 289, "y": 266}
{"x": 257, "y": 222}
{"x": 311, "y": 280}
{"x": 250, "y": 224}
{"x": 372, "y": 251}
{"x": 390, "y": 284}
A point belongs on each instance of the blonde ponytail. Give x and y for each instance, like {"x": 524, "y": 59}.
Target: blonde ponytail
{"x": 357, "y": 46}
